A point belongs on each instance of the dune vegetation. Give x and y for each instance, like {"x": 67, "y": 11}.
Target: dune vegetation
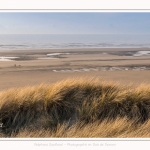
{"x": 76, "y": 108}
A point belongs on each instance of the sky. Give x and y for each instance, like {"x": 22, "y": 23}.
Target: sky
{"x": 74, "y": 23}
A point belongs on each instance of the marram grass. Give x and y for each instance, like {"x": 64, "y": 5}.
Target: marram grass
{"x": 76, "y": 108}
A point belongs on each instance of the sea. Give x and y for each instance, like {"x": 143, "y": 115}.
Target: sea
{"x": 67, "y": 41}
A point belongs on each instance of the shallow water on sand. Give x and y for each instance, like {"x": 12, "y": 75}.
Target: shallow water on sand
{"x": 102, "y": 69}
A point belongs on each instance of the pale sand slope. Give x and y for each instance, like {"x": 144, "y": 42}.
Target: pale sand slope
{"x": 28, "y": 69}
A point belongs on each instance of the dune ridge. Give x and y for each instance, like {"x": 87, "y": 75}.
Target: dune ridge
{"x": 79, "y": 107}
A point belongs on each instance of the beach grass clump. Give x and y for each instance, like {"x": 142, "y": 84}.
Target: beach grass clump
{"x": 118, "y": 128}
{"x": 75, "y": 108}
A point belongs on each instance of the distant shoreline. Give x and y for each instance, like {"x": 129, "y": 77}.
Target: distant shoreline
{"x": 61, "y": 49}
{"x": 59, "y": 53}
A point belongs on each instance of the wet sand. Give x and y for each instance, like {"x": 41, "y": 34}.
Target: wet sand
{"x": 32, "y": 67}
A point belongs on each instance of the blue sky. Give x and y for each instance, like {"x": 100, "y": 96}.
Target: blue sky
{"x": 74, "y": 23}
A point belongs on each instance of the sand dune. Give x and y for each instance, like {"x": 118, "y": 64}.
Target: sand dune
{"x": 76, "y": 108}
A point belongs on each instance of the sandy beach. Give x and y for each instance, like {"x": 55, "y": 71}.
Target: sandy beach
{"x": 31, "y": 67}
